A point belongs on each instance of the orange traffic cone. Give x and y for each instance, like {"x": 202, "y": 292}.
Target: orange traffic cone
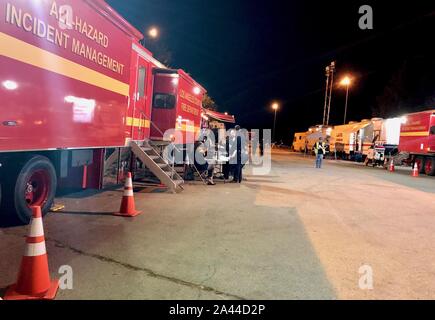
{"x": 34, "y": 278}
{"x": 392, "y": 169}
{"x": 415, "y": 170}
{"x": 128, "y": 208}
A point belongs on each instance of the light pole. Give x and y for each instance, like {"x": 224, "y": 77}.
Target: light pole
{"x": 326, "y": 94}
{"x": 275, "y": 107}
{"x": 346, "y": 81}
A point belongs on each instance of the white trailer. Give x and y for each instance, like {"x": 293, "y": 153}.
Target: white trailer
{"x": 316, "y": 132}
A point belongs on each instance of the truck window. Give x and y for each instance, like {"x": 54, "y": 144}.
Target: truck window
{"x": 164, "y": 101}
{"x": 432, "y": 130}
{"x": 141, "y": 82}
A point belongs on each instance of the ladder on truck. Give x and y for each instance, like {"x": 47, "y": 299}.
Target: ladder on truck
{"x": 157, "y": 165}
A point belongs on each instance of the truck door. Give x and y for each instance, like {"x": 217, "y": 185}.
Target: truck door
{"x": 164, "y": 104}
{"x": 141, "y": 119}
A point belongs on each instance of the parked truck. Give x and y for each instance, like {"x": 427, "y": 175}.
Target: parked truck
{"x": 417, "y": 140}
{"x": 77, "y": 91}
{"x": 299, "y": 142}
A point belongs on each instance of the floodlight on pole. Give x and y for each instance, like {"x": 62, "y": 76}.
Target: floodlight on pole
{"x": 346, "y": 82}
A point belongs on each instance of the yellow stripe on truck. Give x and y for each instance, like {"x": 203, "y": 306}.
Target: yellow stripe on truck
{"x": 415, "y": 134}
{"x": 137, "y": 122}
{"x": 187, "y": 127}
{"x": 22, "y": 51}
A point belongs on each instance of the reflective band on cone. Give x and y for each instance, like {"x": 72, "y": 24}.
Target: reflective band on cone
{"x": 35, "y": 249}
{"x": 128, "y": 182}
{"x": 128, "y": 193}
{"x": 36, "y": 228}
{"x": 128, "y": 208}
{"x": 34, "y": 277}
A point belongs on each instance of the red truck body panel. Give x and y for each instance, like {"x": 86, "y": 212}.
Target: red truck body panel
{"x": 183, "y": 119}
{"x": 65, "y": 74}
{"x": 417, "y": 134}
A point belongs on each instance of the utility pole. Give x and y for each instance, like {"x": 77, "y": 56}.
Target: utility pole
{"x": 326, "y": 95}
{"x": 332, "y": 70}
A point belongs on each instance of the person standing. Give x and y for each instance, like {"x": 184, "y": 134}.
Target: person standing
{"x": 226, "y": 166}
{"x": 320, "y": 150}
{"x": 204, "y": 159}
{"x": 239, "y": 155}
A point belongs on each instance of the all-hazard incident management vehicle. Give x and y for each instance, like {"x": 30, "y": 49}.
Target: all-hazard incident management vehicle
{"x": 79, "y": 95}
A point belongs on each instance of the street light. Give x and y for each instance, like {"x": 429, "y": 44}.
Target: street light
{"x": 275, "y": 107}
{"x": 346, "y": 82}
{"x": 153, "y": 32}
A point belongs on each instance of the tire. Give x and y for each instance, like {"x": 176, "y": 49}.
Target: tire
{"x": 32, "y": 184}
{"x": 429, "y": 166}
{"x": 420, "y": 164}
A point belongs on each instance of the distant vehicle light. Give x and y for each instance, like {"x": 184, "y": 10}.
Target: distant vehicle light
{"x": 10, "y": 85}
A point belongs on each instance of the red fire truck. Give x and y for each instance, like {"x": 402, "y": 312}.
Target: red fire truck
{"x": 417, "y": 140}
{"x": 76, "y": 88}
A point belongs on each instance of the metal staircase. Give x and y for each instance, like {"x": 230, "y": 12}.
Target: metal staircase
{"x": 399, "y": 158}
{"x": 157, "y": 165}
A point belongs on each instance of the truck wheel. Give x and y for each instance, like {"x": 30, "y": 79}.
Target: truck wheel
{"x": 429, "y": 166}
{"x": 420, "y": 164}
{"x": 33, "y": 185}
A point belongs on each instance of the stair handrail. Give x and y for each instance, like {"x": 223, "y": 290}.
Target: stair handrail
{"x": 158, "y": 129}
{"x": 173, "y": 172}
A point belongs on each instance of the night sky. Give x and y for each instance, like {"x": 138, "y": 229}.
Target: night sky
{"x": 249, "y": 53}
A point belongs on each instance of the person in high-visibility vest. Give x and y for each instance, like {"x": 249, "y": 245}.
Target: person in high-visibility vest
{"x": 320, "y": 150}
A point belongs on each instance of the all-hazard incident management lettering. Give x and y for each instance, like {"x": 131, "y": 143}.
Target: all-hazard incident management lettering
{"x": 66, "y": 19}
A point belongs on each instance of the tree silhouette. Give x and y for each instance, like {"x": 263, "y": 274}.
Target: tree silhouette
{"x": 410, "y": 89}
